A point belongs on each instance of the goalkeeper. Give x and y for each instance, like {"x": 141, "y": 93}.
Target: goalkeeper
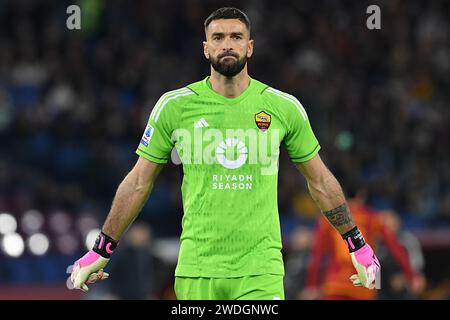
{"x": 227, "y": 130}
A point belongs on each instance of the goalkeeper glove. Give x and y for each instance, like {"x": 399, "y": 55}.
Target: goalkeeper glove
{"x": 89, "y": 268}
{"x": 363, "y": 258}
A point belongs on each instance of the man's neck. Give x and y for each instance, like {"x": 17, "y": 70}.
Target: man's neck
{"x": 229, "y": 87}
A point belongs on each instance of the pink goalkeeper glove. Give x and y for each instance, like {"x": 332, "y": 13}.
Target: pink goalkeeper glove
{"x": 363, "y": 258}
{"x": 89, "y": 268}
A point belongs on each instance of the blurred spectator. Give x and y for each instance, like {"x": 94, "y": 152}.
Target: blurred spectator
{"x": 296, "y": 261}
{"x": 333, "y": 282}
{"x": 394, "y": 283}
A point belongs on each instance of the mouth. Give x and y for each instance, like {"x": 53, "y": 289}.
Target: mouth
{"x": 228, "y": 56}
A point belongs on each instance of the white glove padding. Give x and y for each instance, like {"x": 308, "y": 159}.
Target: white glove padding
{"x": 367, "y": 267}
{"x": 87, "y": 270}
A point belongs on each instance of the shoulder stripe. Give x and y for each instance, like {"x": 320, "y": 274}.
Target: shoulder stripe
{"x": 163, "y": 98}
{"x": 290, "y": 98}
{"x": 180, "y": 94}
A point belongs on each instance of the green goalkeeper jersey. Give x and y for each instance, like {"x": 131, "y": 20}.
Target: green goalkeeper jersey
{"x": 229, "y": 149}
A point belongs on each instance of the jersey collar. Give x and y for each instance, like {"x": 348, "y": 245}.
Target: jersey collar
{"x": 226, "y": 100}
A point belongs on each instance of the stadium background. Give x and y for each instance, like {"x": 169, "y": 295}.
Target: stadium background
{"x": 74, "y": 103}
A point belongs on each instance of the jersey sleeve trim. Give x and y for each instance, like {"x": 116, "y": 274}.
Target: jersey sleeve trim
{"x": 307, "y": 157}
{"x": 150, "y": 157}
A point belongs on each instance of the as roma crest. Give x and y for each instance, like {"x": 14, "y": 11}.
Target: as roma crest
{"x": 262, "y": 120}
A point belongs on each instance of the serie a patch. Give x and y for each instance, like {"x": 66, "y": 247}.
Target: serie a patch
{"x": 145, "y": 140}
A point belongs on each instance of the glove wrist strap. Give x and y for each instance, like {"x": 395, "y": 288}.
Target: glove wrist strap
{"x": 354, "y": 239}
{"x": 104, "y": 245}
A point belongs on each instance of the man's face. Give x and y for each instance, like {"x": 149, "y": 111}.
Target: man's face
{"x": 227, "y": 46}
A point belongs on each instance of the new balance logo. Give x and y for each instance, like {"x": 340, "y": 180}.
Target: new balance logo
{"x": 201, "y": 123}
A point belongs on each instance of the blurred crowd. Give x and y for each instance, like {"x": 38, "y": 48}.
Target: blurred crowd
{"x": 74, "y": 103}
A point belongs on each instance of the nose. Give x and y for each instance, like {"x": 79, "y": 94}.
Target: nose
{"x": 227, "y": 44}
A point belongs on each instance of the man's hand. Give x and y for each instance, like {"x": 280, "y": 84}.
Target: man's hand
{"x": 367, "y": 266}
{"x": 89, "y": 268}
{"x": 363, "y": 259}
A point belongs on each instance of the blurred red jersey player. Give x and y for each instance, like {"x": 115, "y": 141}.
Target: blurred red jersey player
{"x": 335, "y": 283}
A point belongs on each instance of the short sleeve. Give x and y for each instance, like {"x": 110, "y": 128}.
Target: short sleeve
{"x": 156, "y": 143}
{"x": 301, "y": 143}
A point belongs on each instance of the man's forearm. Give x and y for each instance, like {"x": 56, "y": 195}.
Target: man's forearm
{"x": 130, "y": 197}
{"x": 329, "y": 197}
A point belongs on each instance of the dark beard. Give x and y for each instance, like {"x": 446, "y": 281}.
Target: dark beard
{"x": 228, "y": 69}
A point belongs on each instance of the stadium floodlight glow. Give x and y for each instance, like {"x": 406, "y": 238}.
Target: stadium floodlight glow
{"x": 32, "y": 221}
{"x": 38, "y": 244}
{"x": 13, "y": 245}
{"x": 67, "y": 244}
{"x": 91, "y": 237}
{"x": 86, "y": 223}
{"x": 60, "y": 222}
{"x": 8, "y": 224}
